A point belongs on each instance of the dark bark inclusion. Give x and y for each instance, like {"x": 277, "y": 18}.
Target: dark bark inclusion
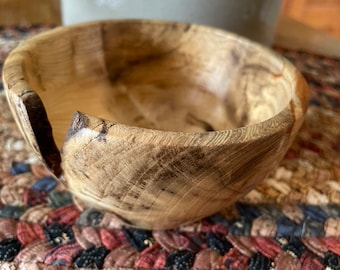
{"x": 42, "y": 131}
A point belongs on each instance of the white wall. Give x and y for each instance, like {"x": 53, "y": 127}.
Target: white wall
{"x": 252, "y": 18}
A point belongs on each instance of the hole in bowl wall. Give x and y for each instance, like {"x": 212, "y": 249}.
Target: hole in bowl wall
{"x": 162, "y": 76}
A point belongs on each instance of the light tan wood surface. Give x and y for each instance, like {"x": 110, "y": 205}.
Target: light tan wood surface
{"x": 165, "y": 129}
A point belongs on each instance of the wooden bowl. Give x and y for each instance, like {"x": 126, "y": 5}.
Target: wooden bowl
{"x": 170, "y": 122}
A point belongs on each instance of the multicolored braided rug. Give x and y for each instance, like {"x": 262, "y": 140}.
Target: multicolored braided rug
{"x": 290, "y": 221}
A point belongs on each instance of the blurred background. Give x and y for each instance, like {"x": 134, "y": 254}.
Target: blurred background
{"x": 319, "y": 14}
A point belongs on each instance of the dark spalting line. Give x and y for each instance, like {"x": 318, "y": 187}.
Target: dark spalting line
{"x": 42, "y": 131}
{"x": 101, "y": 137}
{"x": 292, "y": 115}
{"x": 176, "y": 26}
{"x": 145, "y": 207}
{"x": 187, "y": 27}
{"x": 127, "y": 222}
{"x": 235, "y": 58}
{"x": 252, "y": 161}
{"x": 34, "y": 64}
{"x": 126, "y": 69}
{"x": 256, "y": 67}
{"x": 82, "y": 172}
{"x": 116, "y": 75}
{"x": 26, "y": 92}
{"x": 191, "y": 161}
{"x": 244, "y": 116}
{"x": 196, "y": 152}
{"x": 159, "y": 171}
{"x": 193, "y": 120}
{"x": 292, "y": 108}
{"x": 79, "y": 121}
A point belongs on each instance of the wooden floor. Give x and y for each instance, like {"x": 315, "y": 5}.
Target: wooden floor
{"x": 320, "y": 14}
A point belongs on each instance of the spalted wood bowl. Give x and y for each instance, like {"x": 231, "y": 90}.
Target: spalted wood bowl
{"x": 161, "y": 123}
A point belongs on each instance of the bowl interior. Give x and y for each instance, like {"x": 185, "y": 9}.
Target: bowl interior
{"x": 165, "y": 76}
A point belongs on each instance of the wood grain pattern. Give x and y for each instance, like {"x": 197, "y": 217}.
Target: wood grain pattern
{"x": 170, "y": 122}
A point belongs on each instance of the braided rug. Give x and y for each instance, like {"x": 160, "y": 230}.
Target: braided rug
{"x": 290, "y": 221}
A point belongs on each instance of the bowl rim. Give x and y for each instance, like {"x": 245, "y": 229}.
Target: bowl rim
{"x": 296, "y": 107}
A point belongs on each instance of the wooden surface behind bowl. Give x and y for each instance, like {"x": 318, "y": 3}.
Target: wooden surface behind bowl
{"x": 170, "y": 121}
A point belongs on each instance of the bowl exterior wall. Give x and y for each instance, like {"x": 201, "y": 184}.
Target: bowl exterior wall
{"x": 165, "y": 184}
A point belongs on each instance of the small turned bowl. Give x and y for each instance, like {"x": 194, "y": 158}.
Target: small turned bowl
{"x": 162, "y": 123}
